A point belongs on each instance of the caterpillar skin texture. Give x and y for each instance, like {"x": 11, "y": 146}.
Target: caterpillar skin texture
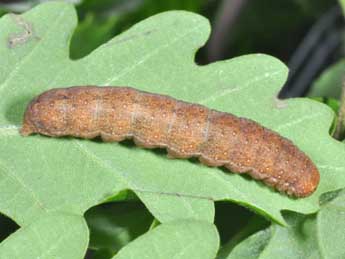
{"x": 185, "y": 129}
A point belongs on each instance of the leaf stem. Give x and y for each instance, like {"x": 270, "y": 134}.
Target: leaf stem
{"x": 341, "y": 114}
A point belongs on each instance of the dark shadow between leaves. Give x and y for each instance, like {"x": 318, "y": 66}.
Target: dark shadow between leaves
{"x": 230, "y": 218}
{"x": 7, "y": 227}
{"x": 113, "y": 225}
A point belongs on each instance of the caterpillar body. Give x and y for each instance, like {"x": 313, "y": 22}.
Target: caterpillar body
{"x": 184, "y": 129}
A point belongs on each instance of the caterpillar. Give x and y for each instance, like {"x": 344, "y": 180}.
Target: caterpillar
{"x": 184, "y": 129}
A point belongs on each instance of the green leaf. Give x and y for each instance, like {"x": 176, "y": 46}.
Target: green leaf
{"x": 331, "y": 102}
{"x": 331, "y": 223}
{"x": 342, "y": 4}
{"x": 109, "y": 7}
{"x": 114, "y": 225}
{"x": 156, "y": 55}
{"x": 40, "y": 175}
{"x": 313, "y": 236}
{"x": 330, "y": 82}
{"x": 180, "y": 239}
{"x": 22, "y": 6}
{"x": 90, "y": 34}
{"x": 298, "y": 240}
{"x": 51, "y": 236}
{"x": 251, "y": 248}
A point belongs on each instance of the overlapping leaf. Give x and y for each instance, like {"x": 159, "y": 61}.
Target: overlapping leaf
{"x": 182, "y": 239}
{"x": 330, "y": 82}
{"x": 50, "y": 236}
{"x": 313, "y": 236}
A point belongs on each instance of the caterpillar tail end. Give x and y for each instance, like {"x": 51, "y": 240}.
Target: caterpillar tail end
{"x": 28, "y": 128}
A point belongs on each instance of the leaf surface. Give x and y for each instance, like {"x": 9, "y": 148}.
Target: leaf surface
{"x": 51, "y": 236}
{"x": 342, "y": 4}
{"x": 252, "y": 247}
{"x": 156, "y": 55}
{"x": 185, "y": 239}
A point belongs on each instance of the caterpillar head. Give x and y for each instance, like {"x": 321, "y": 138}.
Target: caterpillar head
{"x": 46, "y": 114}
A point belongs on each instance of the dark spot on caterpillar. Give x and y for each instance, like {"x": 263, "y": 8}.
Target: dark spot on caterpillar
{"x": 184, "y": 129}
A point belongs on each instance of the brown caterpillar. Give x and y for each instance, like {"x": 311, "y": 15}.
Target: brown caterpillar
{"x": 185, "y": 129}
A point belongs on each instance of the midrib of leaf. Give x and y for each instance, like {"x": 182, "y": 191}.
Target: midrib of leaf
{"x": 96, "y": 159}
{"x": 86, "y": 151}
{"x": 100, "y": 162}
{"x": 295, "y": 122}
{"x": 248, "y": 84}
{"x": 335, "y": 168}
{"x": 9, "y": 130}
{"x": 30, "y": 53}
{"x": 151, "y": 54}
{"x": 26, "y": 188}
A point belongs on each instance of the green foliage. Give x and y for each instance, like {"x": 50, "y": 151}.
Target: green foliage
{"x": 102, "y": 19}
{"x": 330, "y": 82}
{"x": 22, "y": 6}
{"x": 342, "y": 4}
{"x": 181, "y": 239}
{"x": 314, "y": 236}
{"x": 280, "y": 37}
{"x": 50, "y": 236}
{"x": 91, "y": 33}
{"x": 47, "y": 184}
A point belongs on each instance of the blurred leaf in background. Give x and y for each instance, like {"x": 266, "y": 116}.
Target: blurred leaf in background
{"x": 272, "y": 27}
{"x": 22, "y": 6}
{"x": 90, "y": 33}
{"x": 330, "y": 82}
{"x": 101, "y": 20}
{"x": 342, "y": 3}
